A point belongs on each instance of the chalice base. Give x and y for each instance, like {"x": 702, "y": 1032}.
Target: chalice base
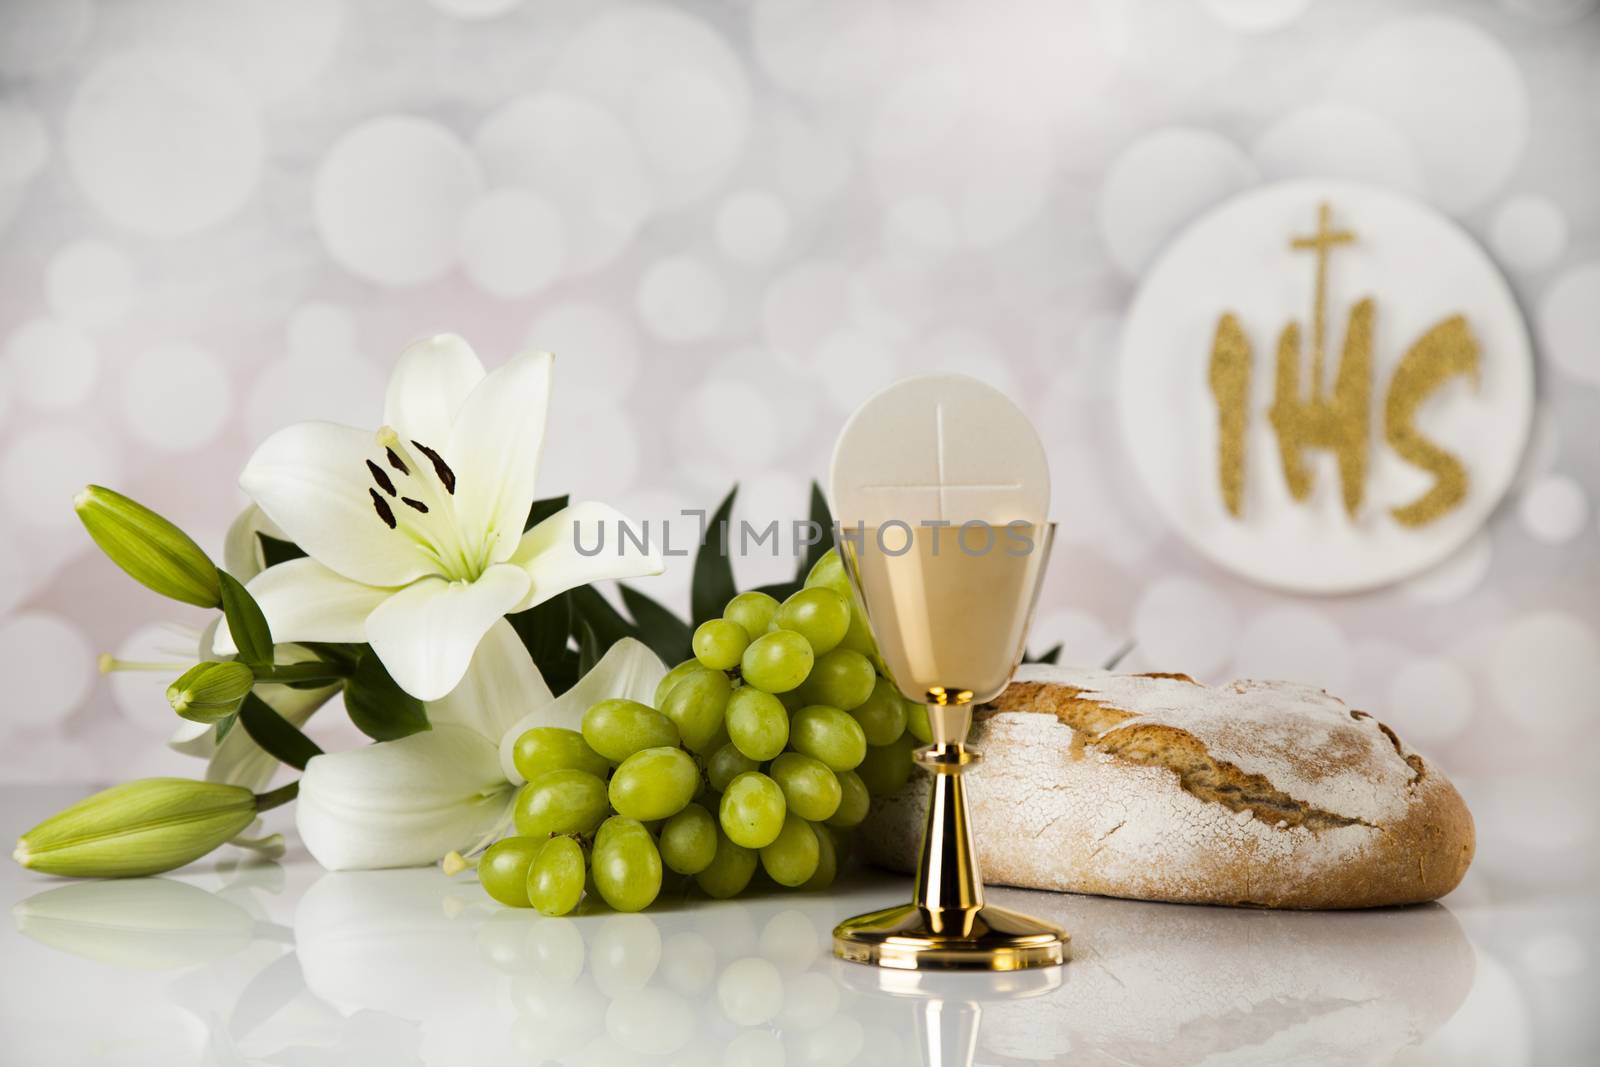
{"x": 911, "y": 937}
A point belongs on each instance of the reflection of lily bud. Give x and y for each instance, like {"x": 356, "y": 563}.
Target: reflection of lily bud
{"x": 152, "y": 923}
{"x": 137, "y": 828}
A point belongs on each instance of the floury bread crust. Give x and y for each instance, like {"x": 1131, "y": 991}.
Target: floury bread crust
{"x": 1155, "y": 787}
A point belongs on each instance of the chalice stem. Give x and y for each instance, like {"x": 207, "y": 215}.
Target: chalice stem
{"x": 949, "y": 884}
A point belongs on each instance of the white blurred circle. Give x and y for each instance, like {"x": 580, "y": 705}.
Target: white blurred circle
{"x": 1453, "y": 89}
{"x": 53, "y": 365}
{"x": 176, "y": 397}
{"x": 650, "y": 1021}
{"x": 1554, "y": 509}
{"x": 1528, "y": 232}
{"x": 675, "y": 81}
{"x": 962, "y": 351}
{"x": 1294, "y": 644}
{"x": 390, "y": 197}
{"x": 595, "y": 348}
{"x": 90, "y": 283}
{"x": 1454, "y": 577}
{"x": 681, "y": 299}
{"x": 322, "y": 330}
{"x": 349, "y": 391}
{"x": 1431, "y": 700}
{"x": 802, "y": 306}
{"x": 723, "y": 428}
{"x": 624, "y": 952}
{"x": 1256, "y": 16}
{"x": 919, "y": 225}
{"x": 164, "y": 144}
{"x": 1569, "y": 322}
{"x": 36, "y": 35}
{"x": 1084, "y": 639}
{"x": 272, "y": 47}
{"x": 791, "y": 940}
{"x": 48, "y": 669}
{"x": 750, "y": 991}
{"x": 1329, "y": 141}
{"x": 810, "y": 1000}
{"x": 852, "y": 366}
{"x": 607, "y": 464}
{"x": 688, "y": 960}
{"x": 581, "y": 159}
{"x": 475, "y": 9}
{"x": 1183, "y": 624}
{"x": 812, "y": 162}
{"x": 1545, "y": 670}
{"x": 47, "y": 466}
{"x": 140, "y": 693}
{"x": 24, "y": 143}
{"x": 512, "y": 243}
{"x": 1159, "y": 183}
{"x": 752, "y": 226}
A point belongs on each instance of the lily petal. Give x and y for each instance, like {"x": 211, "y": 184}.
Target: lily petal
{"x": 312, "y": 480}
{"x": 241, "y": 549}
{"x": 427, "y": 387}
{"x": 628, "y": 670}
{"x": 497, "y": 438}
{"x": 500, "y": 685}
{"x": 305, "y": 601}
{"x": 549, "y": 552}
{"x": 239, "y": 760}
{"x": 426, "y": 633}
{"x": 401, "y": 803}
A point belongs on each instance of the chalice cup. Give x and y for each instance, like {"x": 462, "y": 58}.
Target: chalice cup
{"x": 951, "y": 622}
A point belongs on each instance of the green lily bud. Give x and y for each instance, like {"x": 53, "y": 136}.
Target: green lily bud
{"x": 152, "y": 550}
{"x": 138, "y": 828}
{"x": 207, "y": 692}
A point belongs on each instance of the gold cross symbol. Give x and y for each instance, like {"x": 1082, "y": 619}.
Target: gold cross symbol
{"x": 1321, "y": 242}
{"x": 939, "y": 485}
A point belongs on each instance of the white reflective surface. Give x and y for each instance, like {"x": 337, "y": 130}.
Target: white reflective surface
{"x": 247, "y": 963}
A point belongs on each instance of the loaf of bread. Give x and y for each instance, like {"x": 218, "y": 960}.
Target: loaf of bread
{"x": 1154, "y": 787}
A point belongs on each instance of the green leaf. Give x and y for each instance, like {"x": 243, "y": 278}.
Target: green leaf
{"x": 309, "y": 675}
{"x": 667, "y": 635}
{"x": 822, "y": 518}
{"x": 378, "y": 706}
{"x": 1052, "y": 656}
{"x": 606, "y": 624}
{"x": 275, "y": 550}
{"x": 245, "y": 620}
{"x": 713, "y": 573}
{"x": 542, "y": 510}
{"x": 225, "y": 725}
{"x": 546, "y": 630}
{"x": 275, "y": 734}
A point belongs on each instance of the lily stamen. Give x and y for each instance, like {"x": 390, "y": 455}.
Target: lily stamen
{"x": 447, "y": 477}
{"x": 384, "y": 511}
{"x": 381, "y": 478}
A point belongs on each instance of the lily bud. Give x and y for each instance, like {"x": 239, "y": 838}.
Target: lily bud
{"x": 138, "y": 828}
{"x": 152, "y": 550}
{"x": 207, "y": 692}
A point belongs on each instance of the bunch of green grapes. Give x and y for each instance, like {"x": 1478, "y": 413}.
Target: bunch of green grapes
{"x": 761, "y": 752}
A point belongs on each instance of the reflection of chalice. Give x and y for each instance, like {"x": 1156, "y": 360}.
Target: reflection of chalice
{"x": 950, "y": 626}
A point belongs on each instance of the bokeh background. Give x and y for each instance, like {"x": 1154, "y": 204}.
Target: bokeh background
{"x": 733, "y": 221}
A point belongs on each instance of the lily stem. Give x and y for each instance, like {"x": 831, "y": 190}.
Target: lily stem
{"x": 277, "y": 797}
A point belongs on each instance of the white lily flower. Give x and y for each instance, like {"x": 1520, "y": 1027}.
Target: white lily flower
{"x": 415, "y": 535}
{"x": 451, "y": 788}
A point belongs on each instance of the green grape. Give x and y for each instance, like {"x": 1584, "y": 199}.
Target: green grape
{"x": 689, "y": 840}
{"x": 828, "y": 572}
{"x": 885, "y": 769}
{"x": 758, "y": 723}
{"x": 917, "y": 724}
{"x": 553, "y": 748}
{"x": 718, "y": 644}
{"x": 858, "y": 638}
{"x": 626, "y": 865}
{"x": 672, "y": 678}
{"x": 817, "y": 614}
{"x": 615, "y": 824}
{"x": 752, "y": 810}
{"x": 730, "y": 869}
{"x": 854, "y": 800}
{"x": 726, "y": 764}
{"x": 777, "y": 662}
{"x": 654, "y": 783}
{"x": 792, "y": 856}
{"x": 555, "y": 880}
{"x": 561, "y": 802}
{"x": 752, "y": 612}
{"x": 829, "y": 735}
{"x": 503, "y": 870}
{"x": 810, "y": 789}
{"x": 883, "y": 715}
{"x": 618, "y": 728}
{"x": 841, "y": 679}
{"x": 696, "y": 706}
{"x": 827, "y": 860}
